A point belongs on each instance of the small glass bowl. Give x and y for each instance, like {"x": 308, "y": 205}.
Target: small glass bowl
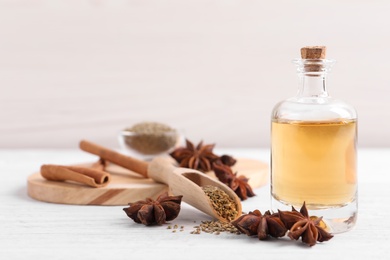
{"x": 146, "y": 146}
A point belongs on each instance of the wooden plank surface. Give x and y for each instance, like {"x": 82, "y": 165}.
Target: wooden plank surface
{"x": 31, "y": 229}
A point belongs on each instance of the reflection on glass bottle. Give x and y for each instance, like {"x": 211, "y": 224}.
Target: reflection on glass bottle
{"x": 313, "y": 153}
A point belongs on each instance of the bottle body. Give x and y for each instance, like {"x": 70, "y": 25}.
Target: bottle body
{"x": 321, "y": 166}
{"x": 313, "y": 154}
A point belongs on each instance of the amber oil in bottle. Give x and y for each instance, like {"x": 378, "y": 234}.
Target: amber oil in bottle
{"x": 313, "y": 153}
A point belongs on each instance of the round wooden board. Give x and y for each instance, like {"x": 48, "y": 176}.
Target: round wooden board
{"x": 125, "y": 186}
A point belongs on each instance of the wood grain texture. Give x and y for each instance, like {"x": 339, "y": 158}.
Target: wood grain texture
{"x": 125, "y": 186}
{"x": 214, "y": 69}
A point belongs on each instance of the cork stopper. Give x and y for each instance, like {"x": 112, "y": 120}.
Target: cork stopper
{"x": 313, "y": 52}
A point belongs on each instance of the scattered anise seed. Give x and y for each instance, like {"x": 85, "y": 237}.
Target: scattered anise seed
{"x": 215, "y": 227}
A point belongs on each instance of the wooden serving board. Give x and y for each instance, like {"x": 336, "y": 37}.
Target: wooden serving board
{"x": 125, "y": 186}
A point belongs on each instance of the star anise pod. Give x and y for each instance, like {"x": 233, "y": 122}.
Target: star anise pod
{"x": 198, "y": 157}
{"x": 154, "y": 212}
{"x": 239, "y": 184}
{"x": 227, "y": 160}
{"x": 262, "y": 225}
{"x": 302, "y": 225}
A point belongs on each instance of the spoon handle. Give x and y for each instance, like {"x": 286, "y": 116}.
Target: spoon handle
{"x": 127, "y": 162}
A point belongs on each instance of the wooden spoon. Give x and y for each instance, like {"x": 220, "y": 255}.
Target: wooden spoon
{"x": 181, "y": 181}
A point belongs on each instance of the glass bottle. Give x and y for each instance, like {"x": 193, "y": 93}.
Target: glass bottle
{"x": 313, "y": 148}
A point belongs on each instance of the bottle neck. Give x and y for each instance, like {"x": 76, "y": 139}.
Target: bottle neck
{"x": 312, "y": 85}
{"x": 312, "y": 75}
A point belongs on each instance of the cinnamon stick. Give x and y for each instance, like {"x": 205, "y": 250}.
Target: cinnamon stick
{"x": 83, "y": 175}
{"x": 100, "y": 164}
{"x": 138, "y": 166}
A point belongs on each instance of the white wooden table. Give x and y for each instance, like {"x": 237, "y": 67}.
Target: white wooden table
{"x": 31, "y": 229}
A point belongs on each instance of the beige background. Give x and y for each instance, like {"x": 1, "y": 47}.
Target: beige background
{"x": 214, "y": 69}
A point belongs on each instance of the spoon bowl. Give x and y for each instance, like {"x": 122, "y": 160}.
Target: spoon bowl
{"x": 189, "y": 183}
